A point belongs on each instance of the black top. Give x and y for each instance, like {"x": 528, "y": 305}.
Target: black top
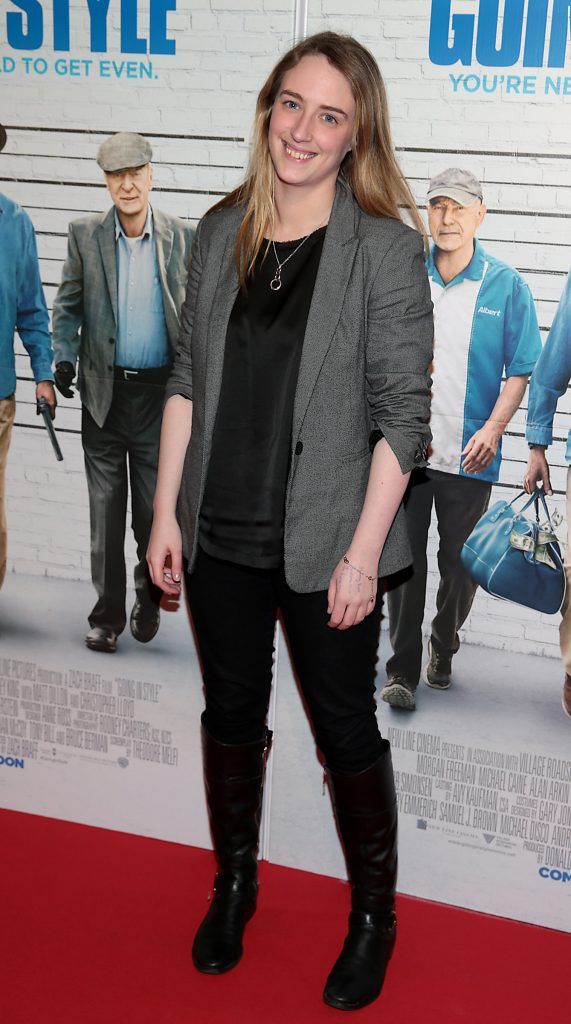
{"x": 242, "y": 513}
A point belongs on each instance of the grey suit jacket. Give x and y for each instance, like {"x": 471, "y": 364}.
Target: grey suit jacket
{"x": 84, "y": 318}
{"x": 364, "y": 367}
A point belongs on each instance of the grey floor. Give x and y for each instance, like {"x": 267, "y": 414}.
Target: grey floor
{"x": 509, "y": 704}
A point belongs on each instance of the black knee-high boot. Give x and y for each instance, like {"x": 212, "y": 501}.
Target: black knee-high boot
{"x": 234, "y": 775}
{"x": 366, "y": 810}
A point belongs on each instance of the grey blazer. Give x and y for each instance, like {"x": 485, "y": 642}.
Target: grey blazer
{"x": 84, "y": 318}
{"x": 364, "y": 367}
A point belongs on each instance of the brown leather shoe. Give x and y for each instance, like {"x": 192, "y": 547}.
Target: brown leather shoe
{"x": 566, "y": 696}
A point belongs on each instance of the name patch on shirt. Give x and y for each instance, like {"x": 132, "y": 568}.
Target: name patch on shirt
{"x": 490, "y": 312}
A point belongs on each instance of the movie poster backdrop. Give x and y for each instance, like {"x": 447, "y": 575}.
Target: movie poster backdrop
{"x": 484, "y": 770}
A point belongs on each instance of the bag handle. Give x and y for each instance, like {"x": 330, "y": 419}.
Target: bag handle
{"x": 540, "y": 496}
{"x": 537, "y": 496}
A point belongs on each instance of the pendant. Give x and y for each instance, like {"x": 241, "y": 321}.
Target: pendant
{"x": 276, "y": 282}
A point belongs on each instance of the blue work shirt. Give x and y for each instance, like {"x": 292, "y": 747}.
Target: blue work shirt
{"x": 22, "y": 303}
{"x": 485, "y": 325}
{"x": 142, "y": 339}
{"x": 551, "y": 376}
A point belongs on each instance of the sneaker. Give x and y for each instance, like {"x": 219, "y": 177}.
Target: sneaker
{"x": 566, "y": 696}
{"x": 438, "y": 672}
{"x": 399, "y": 693}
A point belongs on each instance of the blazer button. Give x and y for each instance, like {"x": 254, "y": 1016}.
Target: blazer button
{"x": 298, "y": 448}
{"x": 111, "y": 341}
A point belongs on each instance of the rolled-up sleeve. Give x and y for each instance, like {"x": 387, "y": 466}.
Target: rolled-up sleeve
{"x": 400, "y": 333}
{"x": 32, "y": 321}
{"x": 551, "y": 375}
{"x": 180, "y": 379}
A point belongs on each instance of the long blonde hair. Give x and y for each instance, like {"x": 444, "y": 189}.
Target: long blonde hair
{"x": 370, "y": 168}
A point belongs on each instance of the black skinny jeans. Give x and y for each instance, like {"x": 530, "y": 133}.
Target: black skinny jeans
{"x": 234, "y": 609}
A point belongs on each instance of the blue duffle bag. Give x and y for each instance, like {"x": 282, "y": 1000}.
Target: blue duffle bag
{"x": 515, "y": 558}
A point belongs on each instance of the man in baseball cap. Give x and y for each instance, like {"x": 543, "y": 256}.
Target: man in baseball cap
{"x": 22, "y": 309}
{"x": 485, "y": 327}
{"x": 116, "y": 314}
{"x": 461, "y": 186}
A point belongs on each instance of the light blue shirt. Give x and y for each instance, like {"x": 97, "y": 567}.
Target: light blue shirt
{"x": 22, "y": 302}
{"x": 485, "y": 325}
{"x": 551, "y": 376}
{"x": 142, "y": 339}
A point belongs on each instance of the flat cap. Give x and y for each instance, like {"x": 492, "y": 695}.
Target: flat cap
{"x": 457, "y": 184}
{"x": 2, "y": 137}
{"x": 125, "y": 149}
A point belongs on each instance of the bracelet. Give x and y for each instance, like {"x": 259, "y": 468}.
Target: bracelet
{"x": 362, "y": 572}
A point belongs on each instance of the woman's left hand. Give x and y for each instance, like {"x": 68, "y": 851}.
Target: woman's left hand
{"x": 351, "y": 594}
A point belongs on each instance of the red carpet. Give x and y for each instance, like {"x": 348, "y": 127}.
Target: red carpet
{"x": 96, "y": 928}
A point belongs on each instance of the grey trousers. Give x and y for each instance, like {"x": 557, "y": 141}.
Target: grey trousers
{"x": 126, "y": 446}
{"x": 459, "y": 503}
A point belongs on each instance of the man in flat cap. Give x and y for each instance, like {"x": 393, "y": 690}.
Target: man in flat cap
{"x": 485, "y": 327}
{"x": 116, "y": 313}
{"x": 22, "y": 309}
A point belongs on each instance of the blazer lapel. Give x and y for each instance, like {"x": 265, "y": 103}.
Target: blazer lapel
{"x": 106, "y": 239}
{"x": 223, "y": 300}
{"x": 164, "y": 242}
{"x": 339, "y": 249}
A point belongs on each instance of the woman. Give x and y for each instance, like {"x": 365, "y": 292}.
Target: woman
{"x": 306, "y": 336}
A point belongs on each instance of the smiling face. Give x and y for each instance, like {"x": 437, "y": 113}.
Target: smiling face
{"x": 452, "y": 225}
{"x": 129, "y": 189}
{"x": 311, "y": 125}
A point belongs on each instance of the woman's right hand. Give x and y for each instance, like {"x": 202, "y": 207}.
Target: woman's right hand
{"x": 164, "y": 554}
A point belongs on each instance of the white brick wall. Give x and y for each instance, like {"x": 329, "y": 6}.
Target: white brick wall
{"x": 486, "y": 132}
{"x": 224, "y": 48}
{"x": 520, "y": 147}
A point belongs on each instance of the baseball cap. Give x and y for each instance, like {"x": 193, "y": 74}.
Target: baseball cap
{"x": 457, "y": 184}
{"x": 125, "y": 149}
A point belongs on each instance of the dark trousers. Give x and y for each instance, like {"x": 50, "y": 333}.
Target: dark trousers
{"x": 459, "y": 503}
{"x": 127, "y": 442}
{"x": 234, "y": 610}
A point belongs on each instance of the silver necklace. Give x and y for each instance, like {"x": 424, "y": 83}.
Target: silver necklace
{"x": 276, "y": 282}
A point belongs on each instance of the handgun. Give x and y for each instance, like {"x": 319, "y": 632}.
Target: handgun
{"x": 44, "y": 411}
